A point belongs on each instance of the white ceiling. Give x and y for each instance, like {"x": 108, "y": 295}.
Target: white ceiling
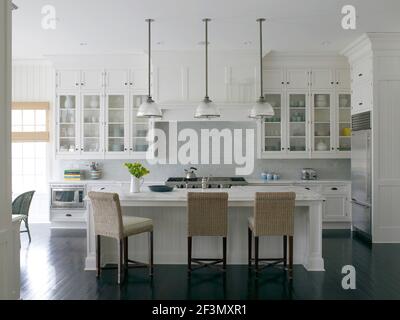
{"x": 117, "y": 26}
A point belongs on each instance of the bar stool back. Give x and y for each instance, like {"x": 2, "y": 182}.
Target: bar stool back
{"x": 207, "y": 216}
{"x": 273, "y": 216}
{"x": 109, "y": 222}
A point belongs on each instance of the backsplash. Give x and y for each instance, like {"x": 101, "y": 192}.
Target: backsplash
{"x": 288, "y": 169}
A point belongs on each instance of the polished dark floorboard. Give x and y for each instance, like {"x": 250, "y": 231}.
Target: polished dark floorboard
{"x": 52, "y": 268}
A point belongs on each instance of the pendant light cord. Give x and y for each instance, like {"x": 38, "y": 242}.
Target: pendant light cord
{"x": 261, "y": 20}
{"x": 149, "y": 58}
{"x": 206, "y": 46}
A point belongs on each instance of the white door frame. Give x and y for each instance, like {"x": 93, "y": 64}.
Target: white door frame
{"x": 9, "y": 232}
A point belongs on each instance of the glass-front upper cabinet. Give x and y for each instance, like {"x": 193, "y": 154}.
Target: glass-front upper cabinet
{"x": 322, "y": 120}
{"x": 68, "y": 130}
{"x": 273, "y": 129}
{"x": 297, "y": 122}
{"x": 116, "y": 120}
{"x": 140, "y": 127}
{"x": 92, "y": 133}
{"x": 344, "y": 122}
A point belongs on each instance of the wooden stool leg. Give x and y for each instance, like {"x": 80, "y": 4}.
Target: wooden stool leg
{"x": 290, "y": 258}
{"x": 120, "y": 259}
{"x": 98, "y": 256}
{"x": 256, "y": 246}
{"x": 250, "y": 242}
{"x": 189, "y": 254}
{"x": 224, "y": 252}
{"x": 126, "y": 258}
{"x": 285, "y": 251}
{"x": 151, "y": 253}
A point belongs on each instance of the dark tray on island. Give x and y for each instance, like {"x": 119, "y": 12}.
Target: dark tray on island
{"x": 161, "y": 188}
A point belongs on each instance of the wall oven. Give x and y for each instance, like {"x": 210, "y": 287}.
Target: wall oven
{"x": 67, "y": 197}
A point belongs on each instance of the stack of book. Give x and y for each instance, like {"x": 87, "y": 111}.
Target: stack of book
{"x": 72, "y": 175}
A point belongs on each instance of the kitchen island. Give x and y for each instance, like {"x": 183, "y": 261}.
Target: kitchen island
{"x": 168, "y": 211}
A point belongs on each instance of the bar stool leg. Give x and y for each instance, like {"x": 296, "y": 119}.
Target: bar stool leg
{"x": 126, "y": 254}
{"x": 290, "y": 258}
{"x": 120, "y": 259}
{"x": 250, "y": 243}
{"x": 285, "y": 251}
{"x": 98, "y": 256}
{"x": 151, "y": 253}
{"x": 256, "y": 245}
{"x": 224, "y": 252}
{"x": 189, "y": 255}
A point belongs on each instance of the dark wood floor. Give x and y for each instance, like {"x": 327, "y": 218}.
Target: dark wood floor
{"x": 52, "y": 268}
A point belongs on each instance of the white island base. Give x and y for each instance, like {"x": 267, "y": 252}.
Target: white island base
{"x": 168, "y": 211}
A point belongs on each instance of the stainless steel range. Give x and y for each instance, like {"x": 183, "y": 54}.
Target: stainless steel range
{"x": 211, "y": 182}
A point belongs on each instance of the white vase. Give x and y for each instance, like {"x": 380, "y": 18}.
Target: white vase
{"x": 136, "y": 184}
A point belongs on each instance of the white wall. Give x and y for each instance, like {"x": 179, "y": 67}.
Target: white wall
{"x": 9, "y": 238}
{"x": 33, "y": 80}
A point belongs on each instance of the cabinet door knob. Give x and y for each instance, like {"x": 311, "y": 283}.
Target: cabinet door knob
{"x": 332, "y": 82}
{"x": 126, "y": 83}
{"x": 131, "y": 149}
{"x": 283, "y": 82}
{"x": 68, "y": 215}
{"x": 131, "y": 83}
{"x": 283, "y": 149}
{"x": 334, "y": 189}
{"x": 288, "y": 82}
{"x": 82, "y": 84}
{"x": 77, "y": 84}
{"x": 337, "y": 83}
{"x": 360, "y": 74}
{"x": 360, "y": 104}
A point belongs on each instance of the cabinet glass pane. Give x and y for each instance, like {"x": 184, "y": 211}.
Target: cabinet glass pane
{"x": 91, "y": 123}
{"x": 67, "y": 123}
{"x": 273, "y": 126}
{"x": 344, "y": 122}
{"x": 140, "y": 127}
{"x": 297, "y": 122}
{"x": 322, "y": 122}
{"x": 116, "y": 123}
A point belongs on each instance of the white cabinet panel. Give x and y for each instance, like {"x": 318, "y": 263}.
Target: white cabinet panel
{"x": 273, "y": 79}
{"x": 92, "y": 79}
{"x": 297, "y": 79}
{"x": 139, "y": 81}
{"x": 335, "y": 208}
{"x": 343, "y": 81}
{"x": 361, "y": 71}
{"x": 362, "y": 98}
{"x": 117, "y": 79}
{"x": 322, "y": 79}
{"x": 168, "y": 82}
{"x": 68, "y": 80}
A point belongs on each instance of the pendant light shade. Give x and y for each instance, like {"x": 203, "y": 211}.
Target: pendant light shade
{"x": 207, "y": 109}
{"x": 149, "y": 109}
{"x": 262, "y": 109}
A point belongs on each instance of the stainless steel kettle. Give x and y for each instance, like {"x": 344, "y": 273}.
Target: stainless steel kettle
{"x": 190, "y": 173}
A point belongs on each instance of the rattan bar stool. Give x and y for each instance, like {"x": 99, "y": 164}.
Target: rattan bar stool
{"x": 109, "y": 222}
{"x": 273, "y": 216}
{"x": 207, "y": 217}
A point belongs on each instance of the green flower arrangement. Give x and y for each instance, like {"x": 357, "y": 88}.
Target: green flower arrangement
{"x": 137, "y": 170}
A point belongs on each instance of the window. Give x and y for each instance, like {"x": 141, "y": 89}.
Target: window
{"x": 30, "y": 137}
{"x": 30, "y": 122}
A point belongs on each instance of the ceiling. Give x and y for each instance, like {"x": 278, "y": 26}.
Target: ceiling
{"x": 117, "y": 26}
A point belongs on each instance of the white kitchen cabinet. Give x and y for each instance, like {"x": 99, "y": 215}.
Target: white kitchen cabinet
{"x": 139, "y": 81}
{"x": 92, "y": 79}
{"x": 274, "y": 79}
{"x": 343, "y": 123}
{"x": 322, "y": 79}
{"x": 343, "y": 79}
{"x": 298, "y": 119}
{"x": 336, "y": 208}
{"x": 361, "y": 71}
{"x": 68, "y": 80}
{"x": 297, "y": 79}
{"x": 116, "y": 124}
{"x": 67, "y": 124}
{"x": 117, "y": 79}
{"x": 92, "y": 129}
{"x": 322, "y": 123}
{"x": 362, "y": 97}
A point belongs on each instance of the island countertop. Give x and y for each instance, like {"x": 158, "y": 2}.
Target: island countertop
{"x": 237, "y": 195}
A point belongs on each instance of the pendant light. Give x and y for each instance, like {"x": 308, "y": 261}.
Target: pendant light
{"x": 262, "y": 109}
{"x": 207, "y": 109}
{"x": 149, "y": 109}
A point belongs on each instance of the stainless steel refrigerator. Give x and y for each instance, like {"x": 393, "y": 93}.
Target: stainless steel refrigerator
{"x": 361, "y": 169}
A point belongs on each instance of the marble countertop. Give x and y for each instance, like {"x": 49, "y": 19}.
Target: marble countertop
{"x": 236, "y": 194}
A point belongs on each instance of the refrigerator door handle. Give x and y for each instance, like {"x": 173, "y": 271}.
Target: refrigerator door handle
{"x": 361, "y": 203}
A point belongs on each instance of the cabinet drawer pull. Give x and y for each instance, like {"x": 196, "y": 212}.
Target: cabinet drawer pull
{"x": 68, "y": 215}
{"x": 360, "y": 74}
{"x": 334, "y": 189}
{"x": 360, "y": 104}
{"x": 308, "y": 189}
{"x": 283, "y": 82}
{"x": 332, "y": 82}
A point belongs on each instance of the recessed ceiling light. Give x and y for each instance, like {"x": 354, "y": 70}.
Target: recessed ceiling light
{"x": 83, "y": 44}
{"x": 326, "y": 43}
{"x": 248, "y": 43}
{"x": 160, "y": 43}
